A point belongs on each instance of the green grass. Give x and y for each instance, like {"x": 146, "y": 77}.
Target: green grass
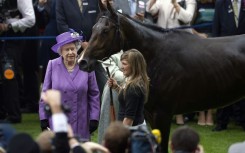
{"x": 213, "y": 142}
{"x": 30, "y": 124}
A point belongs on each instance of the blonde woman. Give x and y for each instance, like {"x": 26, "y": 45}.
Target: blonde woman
{"x": 133, "y": 93}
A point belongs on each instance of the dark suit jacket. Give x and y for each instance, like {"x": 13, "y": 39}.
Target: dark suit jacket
{"x": 45, "y": 52}
{"x": 68, "y": 15}
{"x": 224, "y": 21}
{"x": 122, "y": 5}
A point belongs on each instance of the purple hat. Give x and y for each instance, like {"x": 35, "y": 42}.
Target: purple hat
{"x": 65, "y": 38}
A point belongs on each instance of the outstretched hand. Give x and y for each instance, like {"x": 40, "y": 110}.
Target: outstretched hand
{"x": 90, "y": 147}
{"x": 53, "y": 98}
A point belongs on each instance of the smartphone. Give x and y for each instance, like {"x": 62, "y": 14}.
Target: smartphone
{"x": 141, "y": 6}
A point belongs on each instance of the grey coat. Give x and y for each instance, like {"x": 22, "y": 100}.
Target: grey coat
{"x": 114, "y": 64}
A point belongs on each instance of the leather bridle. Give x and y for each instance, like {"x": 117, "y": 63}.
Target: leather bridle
{"x": 117, "y": 35}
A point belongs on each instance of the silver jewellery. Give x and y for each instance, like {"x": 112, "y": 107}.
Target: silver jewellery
{"x": 70, "y": 70}
{"x": 74, "y": 34}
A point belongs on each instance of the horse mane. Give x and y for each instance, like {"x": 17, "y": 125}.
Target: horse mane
{"x": 151, "y": 26}
{"x": 161, "y": 32}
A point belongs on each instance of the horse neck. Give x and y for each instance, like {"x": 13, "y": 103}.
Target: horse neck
{"x": 138, "y": 36}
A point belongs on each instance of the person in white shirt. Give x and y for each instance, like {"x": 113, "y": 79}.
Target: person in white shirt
{"x": 17, "y": 16}
{"x": 171, "y": 13}
{"x": 17, "y": 24}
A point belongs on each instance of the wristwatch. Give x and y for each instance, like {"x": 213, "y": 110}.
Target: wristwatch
{"x": 9, "y": 26}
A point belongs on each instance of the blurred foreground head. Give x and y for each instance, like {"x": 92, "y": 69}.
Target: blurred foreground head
{"x": 22, "y": 143}
{"x": 185, "y": 140}
{"x": 116, "y": 137}
{"x": 44, "y": 140}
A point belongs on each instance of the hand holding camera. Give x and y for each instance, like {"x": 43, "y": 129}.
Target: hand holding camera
{"x": 53, "y": 102}
{"x": 53, "y": 98}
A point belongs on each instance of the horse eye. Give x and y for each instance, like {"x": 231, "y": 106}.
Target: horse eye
{"x": 105, "y": 31}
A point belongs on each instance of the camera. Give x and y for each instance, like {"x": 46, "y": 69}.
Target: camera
{"x": 7, "y": 70}
{"x": 65, "y": 108}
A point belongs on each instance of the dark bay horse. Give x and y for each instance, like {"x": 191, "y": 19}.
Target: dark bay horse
{"x": 187, "y": 73}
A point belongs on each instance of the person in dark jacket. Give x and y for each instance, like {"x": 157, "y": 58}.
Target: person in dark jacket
{"x": 229, "y": 19}
{"x": 47, "y": 9}
{"x": 12, "y": 25}
{"x": 226, "y": 22}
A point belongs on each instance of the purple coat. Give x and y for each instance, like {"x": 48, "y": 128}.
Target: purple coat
{"x": 79, "y": 91}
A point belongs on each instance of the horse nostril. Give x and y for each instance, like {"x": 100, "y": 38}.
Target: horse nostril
{"x": 83, "y": 65}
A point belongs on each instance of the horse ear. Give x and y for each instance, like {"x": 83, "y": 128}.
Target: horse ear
{"x": 102, "y": 7}
{"x": 111, "y": 9}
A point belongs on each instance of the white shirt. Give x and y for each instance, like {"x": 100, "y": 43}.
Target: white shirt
{"x": 59, "y": 122}
{"x": 238, "y": 5}
{"x": 167, "y": 17}
{"x": 28, "y": 16}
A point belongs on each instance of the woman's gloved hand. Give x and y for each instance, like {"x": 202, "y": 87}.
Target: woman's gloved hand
{"x": 44, "y": 124}
{"x": 93, "y": 125}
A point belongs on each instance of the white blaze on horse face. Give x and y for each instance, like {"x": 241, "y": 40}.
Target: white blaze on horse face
{"x": 81, "y": 57}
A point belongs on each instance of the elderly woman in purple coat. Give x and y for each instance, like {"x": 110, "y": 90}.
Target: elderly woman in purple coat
{"x": 79, "y": 89}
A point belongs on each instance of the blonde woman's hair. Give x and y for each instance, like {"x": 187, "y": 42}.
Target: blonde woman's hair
{"x": 138, "y": 67}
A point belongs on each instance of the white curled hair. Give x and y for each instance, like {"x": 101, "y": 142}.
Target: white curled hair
{"x": 77, "y": 44}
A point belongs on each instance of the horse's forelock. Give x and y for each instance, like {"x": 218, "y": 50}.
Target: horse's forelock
{"x": 108, "y": 15}
{"x": 104, "y": 13}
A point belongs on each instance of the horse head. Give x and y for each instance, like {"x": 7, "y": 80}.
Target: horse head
{"x": 105, "y": 40}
